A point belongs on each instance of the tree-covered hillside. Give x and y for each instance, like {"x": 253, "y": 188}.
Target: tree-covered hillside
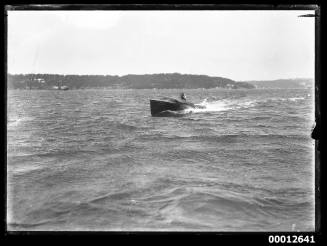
{"x": 148, "y": 81}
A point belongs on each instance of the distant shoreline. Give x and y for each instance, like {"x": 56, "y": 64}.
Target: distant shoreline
{"x": 147, "y": 81}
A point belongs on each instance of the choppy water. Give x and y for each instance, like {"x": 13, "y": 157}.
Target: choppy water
{"x": 97, "y": 160}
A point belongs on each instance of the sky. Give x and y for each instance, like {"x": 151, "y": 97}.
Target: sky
{"x": 239, "y": 45}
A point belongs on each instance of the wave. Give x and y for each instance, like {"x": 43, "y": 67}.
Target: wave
{"x": 27, "y": 168}
{"x": 16, "y": 121}
{"x": 22, "y": 225}
{"x": 281, "y": 99}
{"x": 203, "y": 208}
{"x": 110, "y": 124}
{"x": 294, "y": 99}
{"x": 187, "y": 155}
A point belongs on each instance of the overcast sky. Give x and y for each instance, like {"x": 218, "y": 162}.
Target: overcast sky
{"x": 240, "y": 45}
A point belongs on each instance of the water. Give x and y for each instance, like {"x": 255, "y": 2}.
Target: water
{"x": 97, "y": 160}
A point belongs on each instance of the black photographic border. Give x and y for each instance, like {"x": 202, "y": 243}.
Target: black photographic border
{"x": 196, "y": 237}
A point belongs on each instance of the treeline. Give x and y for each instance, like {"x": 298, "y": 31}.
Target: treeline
{"x": 148, "y": 81}
{"x": 48, "y": 81}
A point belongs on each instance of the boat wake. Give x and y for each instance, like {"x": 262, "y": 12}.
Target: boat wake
{"x": 236, "y": 104}
{"x": 226, "y": 104}
{"x": 212, "y": 106}
{"x": 220, "y": 105}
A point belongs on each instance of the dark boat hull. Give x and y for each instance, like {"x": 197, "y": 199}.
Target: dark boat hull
{"x": 159, "y": 106}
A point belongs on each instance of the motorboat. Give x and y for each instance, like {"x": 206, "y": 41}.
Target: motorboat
{"x": 162, "y": 107}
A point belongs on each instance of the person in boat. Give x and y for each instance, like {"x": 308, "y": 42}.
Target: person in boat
{"x": 183, "y": 97}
